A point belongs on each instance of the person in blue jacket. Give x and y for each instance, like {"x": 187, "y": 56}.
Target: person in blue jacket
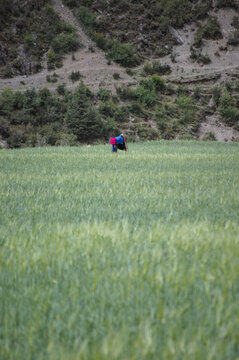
{"x": 119, "y": 142}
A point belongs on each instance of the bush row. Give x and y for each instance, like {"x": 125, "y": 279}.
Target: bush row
{"x": 32, "y": 118}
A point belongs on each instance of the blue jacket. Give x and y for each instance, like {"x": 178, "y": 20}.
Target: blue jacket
{"x": 119, "y": 139}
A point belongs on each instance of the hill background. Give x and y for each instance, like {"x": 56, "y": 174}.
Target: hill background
{"x": 165, "y": 70}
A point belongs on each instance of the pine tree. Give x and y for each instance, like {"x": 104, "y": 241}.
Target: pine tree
{"x": 81, "y": 117}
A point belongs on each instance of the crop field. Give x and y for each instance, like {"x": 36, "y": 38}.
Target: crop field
{"x": 120, "y": 256}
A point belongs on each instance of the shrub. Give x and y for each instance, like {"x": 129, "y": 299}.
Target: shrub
{"x": 18, "y": 100}
{"x": 71, "y": 3}
{"x": 61, "y": 89}
{"x": 227, "y": 3}
{"x": 103, "y": 94}
{"x": 161, "y": 69}
{"x": 110, "y": 125}
{"x": 121, "y": 114}
{"x": 49, "y": 9}
{"x": 202, "y": 8}
{"x": 229, "y": 86}
{"x": 209, "y": 136}
{"x": 116, "y": 76}
{"x": 53, "y": 60}
{"x": 29, "y": 41}
{"x": 196, "y": 55}
{"x": 148, "y": 68}
{"x": 228, "y": 111}
{"x": 216, "y": 94}
{"x": 6, "y": 71}
{"x": 100, "y": 40}
{"x": 130, "y": 72}
{"x": 235, "y": 22}
{"x": 123, "y": 54}
{"x": 64, "y": 43}
{"x": 62, "y": 27}
{"x": 52, "y": 78}
{"x": 31, "y": 101}
{"x": 6, "y": 102}
{"x": 107, "y": 109}
{"x": 234, "y": 38}
{"x": 16, "y": 139}
{"x": 187, "y": 116}
{"x": 147, "y": 84}
{"x": 45, "y": 97}
{"x": 156, "y": 68}
{"x": 145, "y": 96}
{"x": 75, "y": 76}
{"x": 161, "y": 122}
{"x": 66, "y": 140}
{"x": 126, "y": 93}
{"x": 185, "y": 102}
{"x": 86, "y": 17}
{"x": 5, "y": 129}
{"x": 136, "y": 108}
{"x": 188, "y": 109}
{"x": 205, "y": 59}
{"x": 210, "y": 30}
{"x": 159, "y": 83}
{"x": 197, "y": 93}
{"x": 229, "y": 114}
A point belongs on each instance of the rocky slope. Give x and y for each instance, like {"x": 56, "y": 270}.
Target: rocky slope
{"x": 199, "y": 47}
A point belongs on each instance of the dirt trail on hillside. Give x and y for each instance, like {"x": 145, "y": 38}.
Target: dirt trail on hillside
{"x": 222, "y": 61}
{"x": 93, "y": 66}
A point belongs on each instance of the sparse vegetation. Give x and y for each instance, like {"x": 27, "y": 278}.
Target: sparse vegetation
{"x": 103, "y": 94}
{"x": 228, "y": 110}
{"x": 156, "y": 68}
{"x": 202, "y": 8}
{"x": 75, "y": 76}
{"x": 210, "y": 31}
{"x": 61, "y": 89}
{"x": 53, "y": 60}
{"x": 196, "y": 55}
{"x": 52, "y": 78}
{"x": 234, "y": 38}
{"x": 216, "y": 93}
{"x": 227, "y": 3}
{"x": 209, "y": 136}
{"x": 32, "y": 27}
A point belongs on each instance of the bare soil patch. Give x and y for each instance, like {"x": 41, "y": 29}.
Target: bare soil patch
{"x": 213, "y": 125}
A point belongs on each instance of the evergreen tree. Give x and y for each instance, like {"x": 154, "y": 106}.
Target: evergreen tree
{"x": 81, "y": 118}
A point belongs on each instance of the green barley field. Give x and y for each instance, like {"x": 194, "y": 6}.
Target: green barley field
{"x": 120, "y": 256}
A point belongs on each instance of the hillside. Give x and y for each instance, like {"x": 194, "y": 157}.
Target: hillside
{"x": 191, "y": 46}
